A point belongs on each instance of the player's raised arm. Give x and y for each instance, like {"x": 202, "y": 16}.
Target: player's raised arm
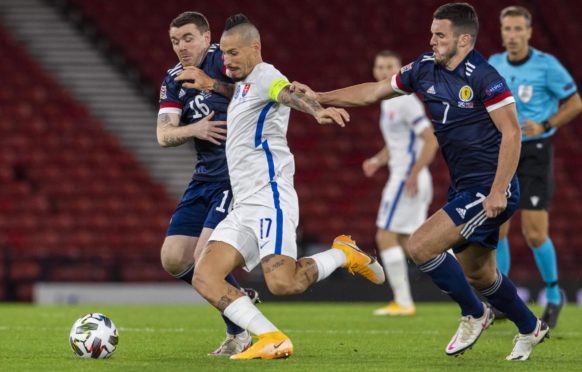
{"x": 356, "y": 95}
{"x": 194, "y": 78}
{"x": 505, "y": 119}
{"x": 302, "y": 102}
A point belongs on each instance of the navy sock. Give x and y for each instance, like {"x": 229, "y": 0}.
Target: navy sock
{"x": 187, "y": 275}
{"x": 503, "y": 295}
{"x": 447, "y": 274}
{"x": 232, "y": 328}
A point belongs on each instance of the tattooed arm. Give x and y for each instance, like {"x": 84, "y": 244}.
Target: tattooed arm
{"x": 194, "y": 78}
{"x": 301, "y": 102}
{"x": 171, "y": 134}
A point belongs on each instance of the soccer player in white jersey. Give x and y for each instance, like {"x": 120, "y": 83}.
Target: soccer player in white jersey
{"x": 410, "y": 147}
{"x": 261, "y": 226}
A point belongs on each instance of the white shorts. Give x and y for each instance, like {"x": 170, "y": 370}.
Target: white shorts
{"x": 401, "y": 213}
{"x": 262, "y": 224}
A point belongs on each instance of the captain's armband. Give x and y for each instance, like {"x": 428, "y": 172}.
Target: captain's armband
{"x": 276, "y": 87}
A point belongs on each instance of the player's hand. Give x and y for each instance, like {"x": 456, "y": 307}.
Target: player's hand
{"x": 370, "y": 166}
{"x": 211, "y": 131}
{"x": 494, "y": 204}
{"x": 331, "y": 115}
{"x": 532, "y": 128}
{"x": 194, "y": 78}
{"x": 411, "y": 185}
{"x": 302, "y": 88}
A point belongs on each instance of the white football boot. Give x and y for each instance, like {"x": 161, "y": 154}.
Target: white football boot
{"x": 233, "y": 344}
{"x": 524, "y": 344}
{"x": 469, "y": 331}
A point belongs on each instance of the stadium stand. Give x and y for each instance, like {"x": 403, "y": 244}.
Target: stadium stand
{"x": 335, "y": 197}
{"x": 70, "y": 193}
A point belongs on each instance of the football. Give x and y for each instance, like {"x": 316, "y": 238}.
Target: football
{"x": 94, "y": 336}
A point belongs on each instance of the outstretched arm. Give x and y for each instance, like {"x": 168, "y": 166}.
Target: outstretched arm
{"x": 304, "y": 103}
{"x": 356, "y": 95}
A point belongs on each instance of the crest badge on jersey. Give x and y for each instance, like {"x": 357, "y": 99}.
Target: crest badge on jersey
{"x": 466, "y": 93}
{"x": 246, "y": 89}
{"x": 525, "y": 93}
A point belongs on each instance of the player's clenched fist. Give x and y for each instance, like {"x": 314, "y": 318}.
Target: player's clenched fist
{"x": 494, "y": 204}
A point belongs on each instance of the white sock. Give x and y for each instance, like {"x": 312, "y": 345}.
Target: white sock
{"x": 244, "y": 314}
{"x": 328, "y": 261}
{"x": 396, "y": 269}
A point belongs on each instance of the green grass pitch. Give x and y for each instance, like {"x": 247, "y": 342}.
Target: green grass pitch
{"x": 327, "y": 337}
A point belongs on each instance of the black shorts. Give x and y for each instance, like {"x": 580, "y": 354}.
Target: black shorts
{"x": 536, "y": 174}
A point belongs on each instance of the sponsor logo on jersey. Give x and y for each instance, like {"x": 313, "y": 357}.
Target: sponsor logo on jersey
{"x": 236, "y": 92}
{"x": 525, "y": 92}
{"x": 534, "y": 200}
{"x": 465, "y": 104}
{"x": 466, "y": 93}
{"x": 494, "y": 88}
{"x": 163, "y": 92}
{"x": 182, "y": 93}
{"x": 569, "y": 86}
{"x": 408, "y": 67}
{"x": 431, "y": 90}
{"x": 246, "y": 89}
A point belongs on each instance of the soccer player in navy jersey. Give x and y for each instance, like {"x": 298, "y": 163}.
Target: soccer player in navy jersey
{"x": 473, "y": 114}
{"x": 546, "y": 98}
{"x": 188, "y": 115}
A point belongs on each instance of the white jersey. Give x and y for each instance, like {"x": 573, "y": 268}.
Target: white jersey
{"x": 256, "y": 145}
{"x": 402, "y": 119}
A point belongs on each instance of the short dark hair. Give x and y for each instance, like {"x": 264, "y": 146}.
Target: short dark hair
{"x": 236, "y": 20}
{"x": 516, "y": 11}
{"x": 197, "y": 19}
{"x": 462, "y": 16}
{"x": 389, "y": 53}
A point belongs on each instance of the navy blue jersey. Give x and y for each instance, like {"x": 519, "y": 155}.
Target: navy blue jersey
{"x": 459, "y": 102}
{"x": 193, "y": 105}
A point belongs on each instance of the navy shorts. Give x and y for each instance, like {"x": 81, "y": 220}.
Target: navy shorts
{"x": 466, "y": 208}
{"x": 204, "y": 204}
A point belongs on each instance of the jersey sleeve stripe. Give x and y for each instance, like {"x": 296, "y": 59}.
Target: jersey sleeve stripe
{"x": 170, "y": 110}
{"x": 397, "y": 84}
{"x": 170, "y": 104}
{"x": 504, "y": 102}
{"x": 418, "y": 120}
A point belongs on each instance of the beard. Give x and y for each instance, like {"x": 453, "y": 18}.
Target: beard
{"x": 446, "y": 58}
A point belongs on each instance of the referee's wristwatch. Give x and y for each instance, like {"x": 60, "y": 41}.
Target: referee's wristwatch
{"x": 547, "y": 126}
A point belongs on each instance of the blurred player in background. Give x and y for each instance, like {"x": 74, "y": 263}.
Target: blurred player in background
{"x": 410, "y": 147}
{"x": 188, "y": 115}
{"x": 261, "y": 228}
{"x": 475, "y": 122}
{"x": 546, "y": 99}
